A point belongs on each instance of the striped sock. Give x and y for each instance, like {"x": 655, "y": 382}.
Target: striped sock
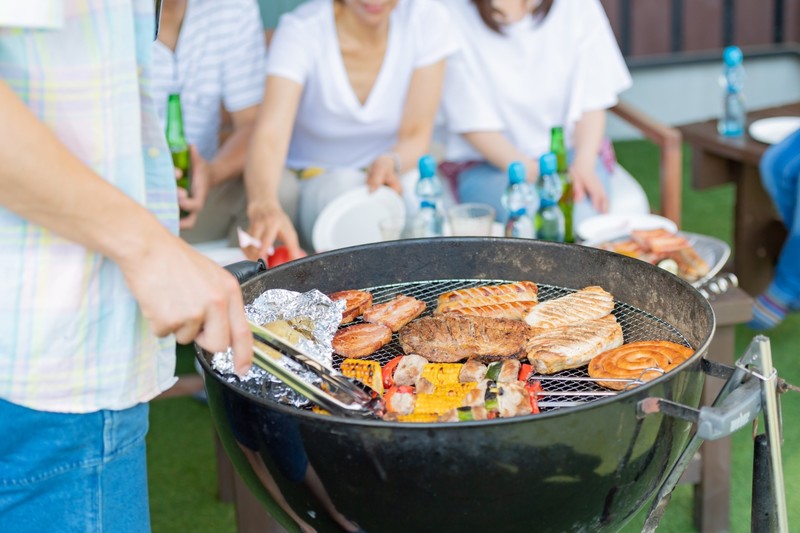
{"x": 768, "y": 311}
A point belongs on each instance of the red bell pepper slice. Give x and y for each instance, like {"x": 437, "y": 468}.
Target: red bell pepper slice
{"x": 525, "y": 372}
{"x": 388, "y": 371}
{"x": 534, "y": 389}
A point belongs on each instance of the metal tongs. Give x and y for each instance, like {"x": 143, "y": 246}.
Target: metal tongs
{"x": 338, "y": 394}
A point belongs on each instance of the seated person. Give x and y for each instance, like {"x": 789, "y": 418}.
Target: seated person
{"x": 521, "y": 71}
{"x": 353, "y": 105}
{"x": 212, "y": 53}
{"x": 780, "y": 174}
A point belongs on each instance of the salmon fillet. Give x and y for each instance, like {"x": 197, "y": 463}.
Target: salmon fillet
{"x": 511, "y": 310}
{"x": 396, "y": 313}
{"x": 355, "y": 303}
{"x": 361, "y": 340}
{"x": 586, "y": 304}
{"x": 487, "y": 295}
{"x": 451, "y": 338}
{"x": 552, "y": 350}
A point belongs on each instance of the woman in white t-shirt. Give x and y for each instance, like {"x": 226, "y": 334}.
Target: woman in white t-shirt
{"x": 524, "y": 67}
{"x": 351, "y": 96}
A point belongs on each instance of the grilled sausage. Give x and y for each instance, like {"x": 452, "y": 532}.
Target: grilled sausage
{"x": 487, "y": 295}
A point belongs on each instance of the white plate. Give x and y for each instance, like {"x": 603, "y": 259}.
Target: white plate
{"x": 606, "y": 227}
{"x": 352, "y": 218}
{"x": 773, "y": 130}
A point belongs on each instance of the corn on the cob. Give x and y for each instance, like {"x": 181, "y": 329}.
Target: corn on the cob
{"x": 367, "y": 372}
{"x": 443, "y": 398}
{"x": 442, "y": 373}
{"x": 418, "y": 417}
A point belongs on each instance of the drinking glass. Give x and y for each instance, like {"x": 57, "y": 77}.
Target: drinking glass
{"x": 471, "y": 219}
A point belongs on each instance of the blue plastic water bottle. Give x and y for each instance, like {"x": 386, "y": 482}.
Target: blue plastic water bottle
{"x": 429, "y": 193}
{"x": 549, "y": 217}
{"x": 520, "y": 200}
{"x": 734, "y": 113}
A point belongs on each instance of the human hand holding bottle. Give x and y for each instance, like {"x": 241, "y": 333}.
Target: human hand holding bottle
{"x": 192, "y": 202}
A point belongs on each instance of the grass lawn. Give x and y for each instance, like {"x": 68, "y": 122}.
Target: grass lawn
{"x": 181, "y": 460}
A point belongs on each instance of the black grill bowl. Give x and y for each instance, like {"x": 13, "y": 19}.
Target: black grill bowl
{"x": 584, "y": 468}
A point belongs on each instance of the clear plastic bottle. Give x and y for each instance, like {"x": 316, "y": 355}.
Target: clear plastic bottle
{"x": 549, "y": 218}
{"x": 520, "y": 200}
{"x": 734, "y": 112}
{"x": 429, "y": 218}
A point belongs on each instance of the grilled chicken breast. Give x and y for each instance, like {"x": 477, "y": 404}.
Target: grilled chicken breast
{"x": 361, "y": 340}
{"x": 487, "y": 295}
{"x": 552, "y": 350}
{"x": 355, "y": 303}
{"x": 396, "y": 313}
{"x": 586, "y": 304}
{"x": 451, "y": 338}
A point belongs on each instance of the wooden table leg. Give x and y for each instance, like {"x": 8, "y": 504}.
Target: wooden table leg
{"x": 755, "y": 232}
{"x": 712, "y": 493}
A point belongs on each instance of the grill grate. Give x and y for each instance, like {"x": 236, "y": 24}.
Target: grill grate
{"x": 564, "y": 389}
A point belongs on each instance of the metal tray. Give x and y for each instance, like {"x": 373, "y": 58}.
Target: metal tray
{"x": 714, "y": 251}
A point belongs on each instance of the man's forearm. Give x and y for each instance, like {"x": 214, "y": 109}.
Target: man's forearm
{"x": 43, "y": 182}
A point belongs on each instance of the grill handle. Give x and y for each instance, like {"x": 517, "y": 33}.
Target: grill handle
{"x": 244, "y": 270}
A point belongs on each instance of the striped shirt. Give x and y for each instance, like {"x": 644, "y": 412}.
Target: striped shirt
{"x": 219, "y": 60}
{"x": 72, "y": 338}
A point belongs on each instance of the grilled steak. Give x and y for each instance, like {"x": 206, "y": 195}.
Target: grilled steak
{"x": 396, "y": 313}
{"x": 487, "y": 295}
{"x": 355, "y": 302}
{"x": 452, "y": 338}
{"x": 586, "y": 304}
{"x": 361, "y": 340}
{"x": 556, "y": 349}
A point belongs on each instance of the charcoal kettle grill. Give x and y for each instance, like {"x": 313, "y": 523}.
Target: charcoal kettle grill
{"x": 589, "y": 462}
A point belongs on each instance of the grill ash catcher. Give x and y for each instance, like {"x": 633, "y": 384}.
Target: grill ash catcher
{"x": 751, "y": 387}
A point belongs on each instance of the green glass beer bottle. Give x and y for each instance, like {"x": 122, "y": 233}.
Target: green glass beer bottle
{"x": 566, "y": 202}
{"x": 181, "y": 157}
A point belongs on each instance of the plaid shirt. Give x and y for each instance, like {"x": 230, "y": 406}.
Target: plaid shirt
{"x": 72, "y": 338}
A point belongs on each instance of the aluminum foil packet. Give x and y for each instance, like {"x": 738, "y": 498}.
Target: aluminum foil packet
{"x": 312, "y": 317}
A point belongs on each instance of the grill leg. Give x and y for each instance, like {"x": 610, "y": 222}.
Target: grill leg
{"x": 763, "y": 504}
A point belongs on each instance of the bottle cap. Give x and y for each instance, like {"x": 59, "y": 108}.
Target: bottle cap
{"x": 427, "y": 166}
{"x": 516, "y": 172}
{"x": 732, "y": 56}
{"x": 547, "y": 163}
{"x": 426, "y": 204}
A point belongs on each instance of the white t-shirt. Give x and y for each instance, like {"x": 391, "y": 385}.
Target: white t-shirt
{"x": 533, "y": 76}
{"x": 219, "y": 60}
{"x": 332, "y": 128}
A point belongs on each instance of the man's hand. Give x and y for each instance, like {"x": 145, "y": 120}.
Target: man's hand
{"x": 181, "y": 291}
{"x": 201, "y": 183}
{"x": 585, "y": 182}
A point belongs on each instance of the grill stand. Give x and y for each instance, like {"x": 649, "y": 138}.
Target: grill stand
{"x": 751, "y": 387}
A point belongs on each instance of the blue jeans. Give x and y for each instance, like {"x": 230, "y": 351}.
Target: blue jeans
{"x": 486, "y": 184}
{"x": 73, "y": 472}
{"x": 780, "y": 173}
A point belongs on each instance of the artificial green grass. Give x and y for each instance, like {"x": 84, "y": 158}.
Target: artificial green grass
{"x": 181, "y": 462}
